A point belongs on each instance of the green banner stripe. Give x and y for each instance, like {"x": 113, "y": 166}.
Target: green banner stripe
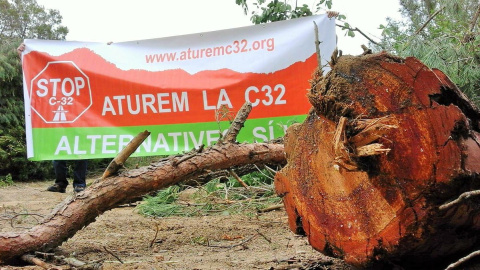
{"x": 106, "y": 142}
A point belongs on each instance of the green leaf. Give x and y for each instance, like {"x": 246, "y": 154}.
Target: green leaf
{"x": 329, "y": 4}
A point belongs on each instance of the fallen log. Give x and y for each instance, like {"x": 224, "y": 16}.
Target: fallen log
{"x": 81, "y": 209}
{"x": 387, "y": 143}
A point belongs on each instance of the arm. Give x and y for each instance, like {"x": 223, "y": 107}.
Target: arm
{"x": 20, "y": 49}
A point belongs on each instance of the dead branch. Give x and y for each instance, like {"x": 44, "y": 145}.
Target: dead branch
{"x": 271, "y": 208}
{"x": 188, "y": 156}
{"x": 36, "y": 261}
{"x": 463, "y": 260}
{"x": 80, "y": 265}
{"x": 264, "y": 236}
{"x": 366, "y": 50}
{"x": 234, "y": 175}
{"x": 317, "y": 46}
{"x": 469, "y": 35}
{"x": 239, "y": 170}
{"x": 237, "y": 124}
{"x": 236, "y": 245}
{"x": 73, "y": 262}
{"x": 270, "y": 170}
{"x": 428, "y": 21}
{"x": 473, "y": 23}
{"x": 113, "y": 254}
{"x": 120, "y": 159}
{"x": 464, "y": 196}
{"x": 156, "y": 234}
{"x": 72, "y": 215}
{"x": 356, "y": 29}
{"x": 23, "y": 214}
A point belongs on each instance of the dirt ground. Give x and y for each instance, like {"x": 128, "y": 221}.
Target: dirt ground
{"x": 123, "y": 239}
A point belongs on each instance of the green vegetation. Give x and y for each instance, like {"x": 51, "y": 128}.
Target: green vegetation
{"x": 6, "y": 180}
{"x": 443, "y": 34}
{"x": 274, "y": 11}
{"x": 214, "y": 198}
{"x": 19, "y": 20}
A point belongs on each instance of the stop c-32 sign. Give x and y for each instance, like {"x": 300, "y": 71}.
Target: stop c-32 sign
{"x": 60, "y": 93}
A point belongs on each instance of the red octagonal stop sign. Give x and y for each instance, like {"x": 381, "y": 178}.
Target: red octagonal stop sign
{"x": 60, "y": 93}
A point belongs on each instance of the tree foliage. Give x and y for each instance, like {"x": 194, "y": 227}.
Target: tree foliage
{"x": 276, "y": 10}
{"x": 26, "y": 19}
{"x": 443, "y": 34}
{"x": 20, "y": 19}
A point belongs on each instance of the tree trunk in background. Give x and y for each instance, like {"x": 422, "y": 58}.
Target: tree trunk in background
{"x": 82, "y": 209}
{"x": 387, "y": 142}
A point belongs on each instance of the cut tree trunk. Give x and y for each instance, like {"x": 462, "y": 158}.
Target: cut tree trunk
{"x": 387, "y": 143}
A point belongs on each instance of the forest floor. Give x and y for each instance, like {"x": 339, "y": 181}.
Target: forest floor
{"x": 123, "y": 239}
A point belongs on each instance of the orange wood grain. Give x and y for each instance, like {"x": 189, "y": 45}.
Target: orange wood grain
{"x": 388, "y": 207}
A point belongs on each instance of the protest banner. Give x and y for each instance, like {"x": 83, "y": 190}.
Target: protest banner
{"x": 88, "y": 100}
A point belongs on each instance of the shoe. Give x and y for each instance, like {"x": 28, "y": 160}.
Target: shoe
{"x": 56, "y": 188}
{"x": 78, "y": 189}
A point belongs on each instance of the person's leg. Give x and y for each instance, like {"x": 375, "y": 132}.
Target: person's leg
{"x": 61, "y": 170}
{"x": 79, "y": 175}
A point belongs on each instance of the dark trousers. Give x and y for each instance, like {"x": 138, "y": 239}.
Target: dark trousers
{"x": 79, "y": 172}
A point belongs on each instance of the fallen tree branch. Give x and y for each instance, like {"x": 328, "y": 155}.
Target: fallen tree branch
{"x": 264, "y": 236}
{"x": 232, "y": 173}
{"x": 236, "y": 245}
{"x": 462, "y": 197}
{"x": 156, "y": 234}
{"x": 463, "y": 260}
{"x": 80, "y": 265}
{"x": 36, "y": 261}
{"x": 237, "y": 124}
{"x": 120, "y": 159}
{"x": 72, "y": 215}
{"x": 113, "y": 254}
{"x": 12, "y": 219}
{"x": 74, "y": 262}
{"x": 271, "y": 208}
{"x": 239, "y": 170}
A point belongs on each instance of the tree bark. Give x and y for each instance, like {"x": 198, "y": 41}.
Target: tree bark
{"x": 81, "y": 209}
{"x": 387, "y": 143}
{"x": 120, "y": 159}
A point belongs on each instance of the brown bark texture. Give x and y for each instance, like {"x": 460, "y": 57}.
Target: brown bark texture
{"x": 387, "y": 142}
{"x": 81, "y": 209}
{"x": 117, "y": 163}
